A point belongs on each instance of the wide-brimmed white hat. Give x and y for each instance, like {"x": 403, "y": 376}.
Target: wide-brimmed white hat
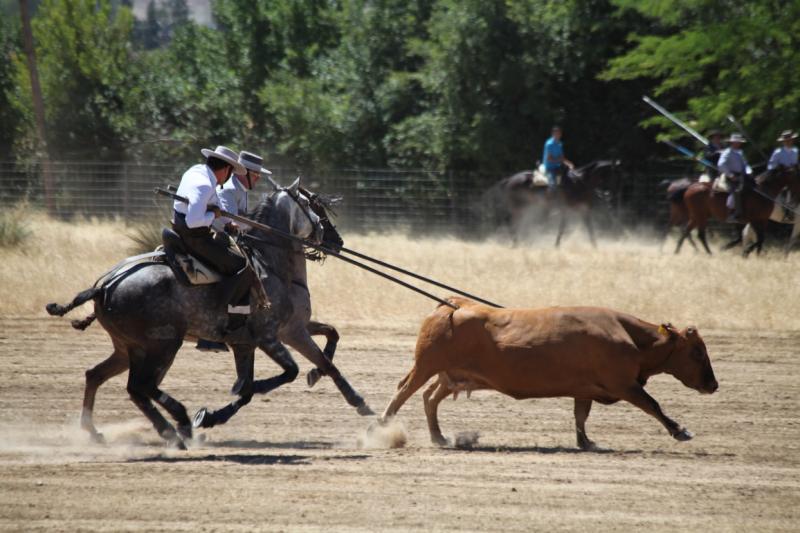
{"x": 787, "y": 135}
{"x": 252, "y": 162}
{"x": 737, "y": 138}
{"x": 225, "y": 154}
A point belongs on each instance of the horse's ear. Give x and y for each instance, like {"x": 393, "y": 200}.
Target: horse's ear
{"x": 272, "y": 182}
{"x": 295, "y": 184}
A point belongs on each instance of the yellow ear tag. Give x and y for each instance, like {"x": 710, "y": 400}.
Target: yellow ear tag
{"x": 662, "y": 330}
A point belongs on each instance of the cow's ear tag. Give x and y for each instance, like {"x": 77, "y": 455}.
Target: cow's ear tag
{"x": 662, "y": 329}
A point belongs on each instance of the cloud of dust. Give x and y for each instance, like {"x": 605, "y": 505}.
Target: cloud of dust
{"x": 37, "y": 442}
{"x": 379, "y": 436}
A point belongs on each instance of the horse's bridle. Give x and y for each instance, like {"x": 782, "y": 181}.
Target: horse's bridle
{"x": 305, "y": 211}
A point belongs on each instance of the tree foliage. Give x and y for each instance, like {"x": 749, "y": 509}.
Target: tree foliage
{"x": 719, "y": 57}
{"x": 466, "y": 85}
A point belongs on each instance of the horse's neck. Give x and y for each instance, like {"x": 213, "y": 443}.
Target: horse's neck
{"x": 298, "y": 266}
{"x": 775, "y": 186}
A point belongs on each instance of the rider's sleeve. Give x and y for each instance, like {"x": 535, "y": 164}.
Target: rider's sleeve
{"x": 773, "y": 160}
{"x": 227, "y": 202}
{"x": 723, "y": 162}
{"x": 196, "y": 215}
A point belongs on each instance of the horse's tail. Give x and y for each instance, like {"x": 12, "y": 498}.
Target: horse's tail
{"x": 85, "y": 323}
{"x": 82, "y": 297}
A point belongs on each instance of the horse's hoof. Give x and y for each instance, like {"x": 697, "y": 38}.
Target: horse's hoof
{"x": 587, "y": 446}
{"x": 177, "y": 443}
{"x": 364, "y": 410}
{"x": 202, "y": 419}
{"x": 683, "y": 435}
{"x": 313, "y": 376}
{"x": 97, "y": 437}
{"x": 185, "y": 432}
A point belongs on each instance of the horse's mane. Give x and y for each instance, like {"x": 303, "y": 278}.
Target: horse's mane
{"x": 276, "y": 250}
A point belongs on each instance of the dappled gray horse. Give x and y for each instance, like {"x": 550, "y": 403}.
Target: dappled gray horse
{"x": 148, "y": 313}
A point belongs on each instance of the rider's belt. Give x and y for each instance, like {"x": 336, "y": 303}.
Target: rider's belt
{"x": 179, "y": 225}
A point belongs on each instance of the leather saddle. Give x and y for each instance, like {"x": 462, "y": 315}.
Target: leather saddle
{"x": 187, "y": 268}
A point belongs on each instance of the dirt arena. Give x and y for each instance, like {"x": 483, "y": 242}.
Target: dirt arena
{"x": 298, "y": 459}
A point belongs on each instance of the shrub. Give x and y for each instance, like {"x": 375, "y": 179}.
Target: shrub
{"x": 13, "y": 228}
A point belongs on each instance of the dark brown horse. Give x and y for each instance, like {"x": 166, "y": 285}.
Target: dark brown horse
{"x": 577, "y": 192}
{"x": 694, "y": 205}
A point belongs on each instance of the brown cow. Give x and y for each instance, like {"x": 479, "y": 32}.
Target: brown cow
{"x": 586, "y": 353}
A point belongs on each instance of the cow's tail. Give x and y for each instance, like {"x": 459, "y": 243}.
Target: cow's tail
{"x": 81, "y": 298}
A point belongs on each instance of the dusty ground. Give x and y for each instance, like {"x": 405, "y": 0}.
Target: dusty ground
{"x": 295, "y": 460}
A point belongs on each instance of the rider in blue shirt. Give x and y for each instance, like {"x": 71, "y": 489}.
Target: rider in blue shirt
{"x": 553, "y": 158}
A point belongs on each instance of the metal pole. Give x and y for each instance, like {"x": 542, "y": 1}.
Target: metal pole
{"x": 675, "y": 120}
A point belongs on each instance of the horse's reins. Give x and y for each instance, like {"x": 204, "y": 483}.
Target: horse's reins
{"x": 269, "y": 229}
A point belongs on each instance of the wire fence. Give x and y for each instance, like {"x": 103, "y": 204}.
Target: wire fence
{"x": 416, "y": 201}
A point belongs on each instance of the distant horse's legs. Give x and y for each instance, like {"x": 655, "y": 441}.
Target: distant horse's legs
{"x": 737, "y": 239}
{"x": 562, "y": 225}
{"x": 701, "y": 233}
{"x": 685, "y": 233}
{"x": 116, "y": 363}
{"x": 332, "y": 336}
{"x": 587, "y": 220}
{"x": 759, "y": 229}
{"x": 794, "y": 236}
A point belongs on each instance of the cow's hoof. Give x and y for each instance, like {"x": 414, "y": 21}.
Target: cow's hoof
{"x": 439, "y": 440}
{"x": 313, "y": 376}
{"x": 683, "y": 435}
{"x": 364, "y": 410}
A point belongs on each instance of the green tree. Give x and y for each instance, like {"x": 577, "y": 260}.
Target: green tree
{"x": 267, "y": 39}
{"x": 10, "y": 117}
{"x": 712, "y": 58}
{"x": 83, "y": 54}
{"x": 185, "y": 95}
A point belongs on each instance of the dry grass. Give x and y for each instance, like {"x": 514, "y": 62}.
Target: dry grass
{"x": 723, "y": 291}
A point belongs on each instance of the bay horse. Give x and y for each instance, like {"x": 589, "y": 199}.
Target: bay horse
{"x": 577, "y": 192}
{"x": 698, "y": 203}
{"x": 148, "y": 313}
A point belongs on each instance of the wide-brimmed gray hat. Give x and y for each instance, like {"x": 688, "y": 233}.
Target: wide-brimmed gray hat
{"x": 253, "y": 162}
{"x": 737, "y": 138}
{"x": 787, "y": 135}
{"x": 225, "y": 154}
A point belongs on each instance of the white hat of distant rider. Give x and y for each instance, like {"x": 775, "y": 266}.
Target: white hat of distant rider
{"x": 736, "y": 138}
{"x": 225, "y": 154}
{"x": 787, "y": 135}
{"x": 252, "y": 162}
